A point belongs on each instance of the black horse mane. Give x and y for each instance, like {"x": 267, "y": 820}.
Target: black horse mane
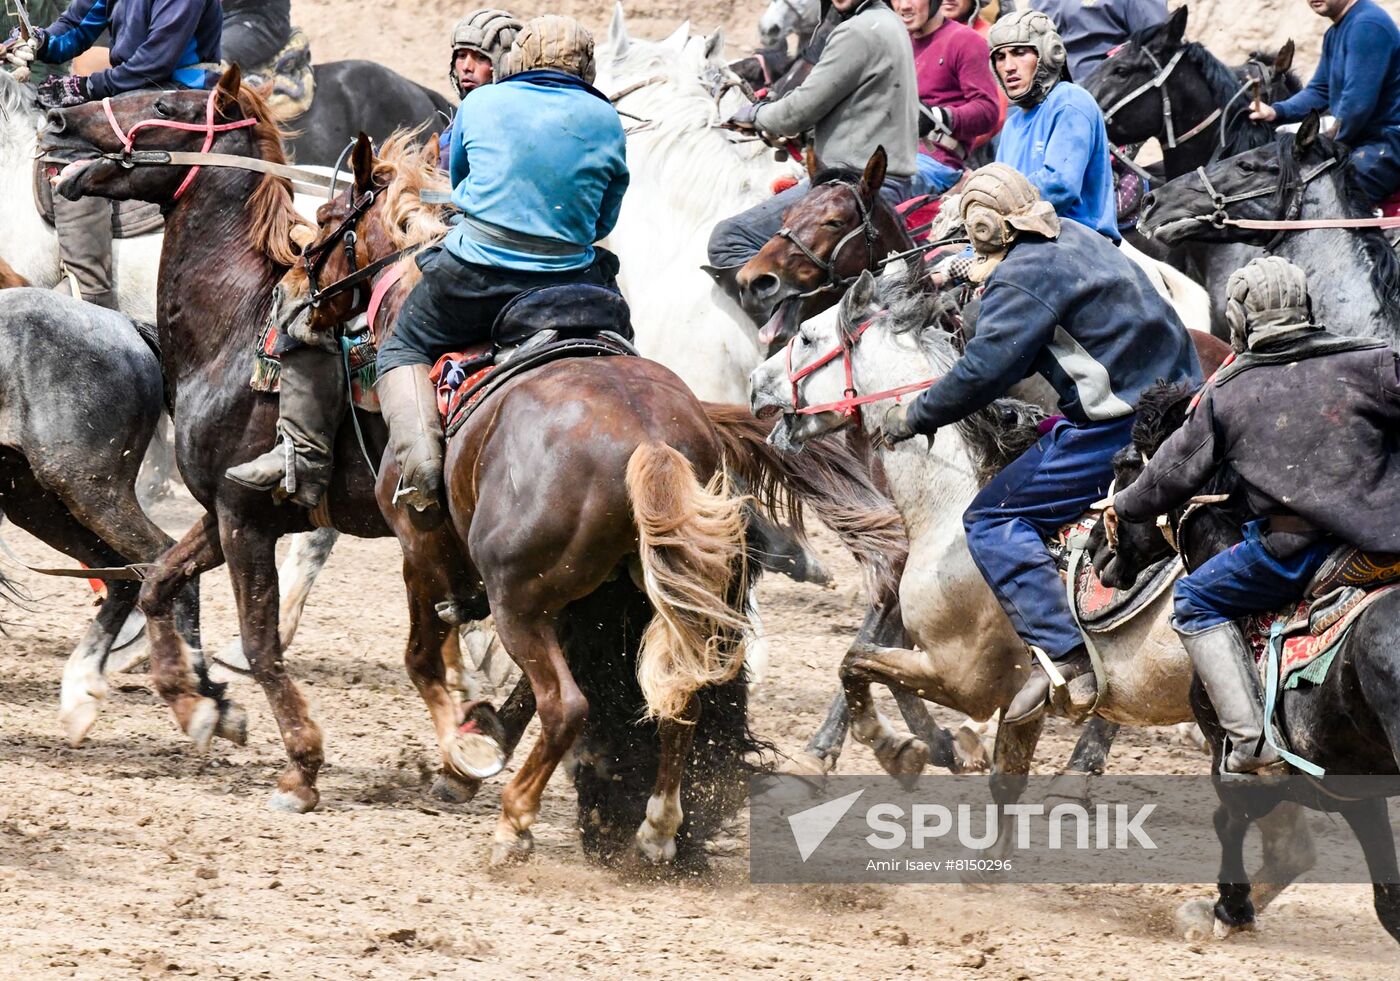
{"x": 836, "y": 175}
{"x": 1385, "y": 267}
{"x": 1160, "y": 412}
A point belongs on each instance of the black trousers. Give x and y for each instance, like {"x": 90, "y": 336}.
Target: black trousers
{"x": 255, "y": 31}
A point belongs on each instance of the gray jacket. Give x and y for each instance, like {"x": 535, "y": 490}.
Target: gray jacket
{"x": 861, "y": 94}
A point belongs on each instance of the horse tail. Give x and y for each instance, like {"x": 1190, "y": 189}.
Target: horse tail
{"x": 691, "y": 547}
{"x": 829, "y": 478}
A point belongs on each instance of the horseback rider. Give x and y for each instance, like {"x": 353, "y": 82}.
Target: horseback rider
{"x": 479, "y": 42}
{"x": 1358, "y": 82}
{"x": 535, "y": 195}
{"x": 1338, "y": 490}
{"x": 154, "y": 43}
{"x": 255, "y": 31}
{"x": 958, "y": 107}
{"x": 1091, "y": 30}
{"x": 855, "y": 99}
{"x": 1061, "y": 301}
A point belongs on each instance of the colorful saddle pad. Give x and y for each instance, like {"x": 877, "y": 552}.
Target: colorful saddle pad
{"x": 360, "y": 356}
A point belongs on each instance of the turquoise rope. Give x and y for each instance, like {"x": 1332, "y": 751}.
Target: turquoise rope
{"x": 1274, "y": 653}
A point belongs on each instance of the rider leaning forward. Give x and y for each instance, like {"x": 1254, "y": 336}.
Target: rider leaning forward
{"x": 1060, "y": 301}
{"x": 155, "y": 43}
{"x": 1338, "y": 490}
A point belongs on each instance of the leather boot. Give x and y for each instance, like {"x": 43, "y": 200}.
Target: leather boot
{"x": 409, "y": 403}
{"x": 1034, "y": 695}
{"x": 1221, "y": 656}
{"x": 84, "y": 231}
{"x": 312, "y": 404}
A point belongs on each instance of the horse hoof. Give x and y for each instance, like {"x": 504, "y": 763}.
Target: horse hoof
{"x": 1069, "y": 788}
{"x": 129, "y": 660}
{"x": 294, "y": 801}
{"x": 77, "y": 720}
{"x": 203, "y": 720}
{"x": 807, "y": 764}
{"x": 233, "y": 659}
{"x": 475, "y": 756}
{"x": 1195, "y": 921}
{"x": 452, "y": 789}
{"x": 904, "y": 758}
{"x": 233, "y": 723}
{"x": 513, "y": 851}
{"x": 969, "y": 753}
{"x": 654, "y": 850}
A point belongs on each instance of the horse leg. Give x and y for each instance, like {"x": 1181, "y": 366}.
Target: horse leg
{"x": 656, "y": 838}
{"x": 1370, "y": 823}
{"x": 562, "y": 710}
{"x": 899, "y": 754}
{"x": 957, "y": 752}
{"x": 1288, "y": 853}
{"x": 1087, "y": 760}
{"x": 1011, "y": 766}
{"x": 252, "y": 561}
{"x": 514, "y": 715}
{"x": 1233, "y": 911}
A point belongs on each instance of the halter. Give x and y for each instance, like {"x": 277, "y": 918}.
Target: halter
{"x": 1159, "y": 81}
{"x": 828, "y": 266}
{"x": 849, "y": 401}
{"x": 346, "y": 233}
{"x": 209, "y": 128}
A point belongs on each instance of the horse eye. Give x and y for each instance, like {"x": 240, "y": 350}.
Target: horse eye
{"x": 162, "y": 109}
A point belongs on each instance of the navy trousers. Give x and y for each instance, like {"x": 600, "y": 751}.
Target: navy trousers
{"x": 1244, "y": 579}
{"x": 1376, "y": 167}
{"x": 1044, "y": 489}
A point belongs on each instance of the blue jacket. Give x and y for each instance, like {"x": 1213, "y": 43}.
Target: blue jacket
{"x": 154, "y": 42}
{"x": 1089, "y": 28}
{"x": 1061, "y": 145}
{"x": 540, "y": 153}
{"x": 1079, "y": 313}
{"x": 1358, "y": 78}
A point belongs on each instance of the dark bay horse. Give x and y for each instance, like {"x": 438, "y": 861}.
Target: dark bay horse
{"x": 361, "y": 96}
{"x": 1349, "y": 723}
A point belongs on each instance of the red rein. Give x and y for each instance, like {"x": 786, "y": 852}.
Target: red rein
{"x": 849, "y": 401}
{"x": 209, "y": 128}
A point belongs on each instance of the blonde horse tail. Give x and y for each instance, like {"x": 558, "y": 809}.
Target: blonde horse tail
{"x": 691, "y": 549}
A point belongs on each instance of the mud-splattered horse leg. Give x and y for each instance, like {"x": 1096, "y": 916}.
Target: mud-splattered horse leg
{"x": 1085, "y": 762}
{"x": 656, "y": 838}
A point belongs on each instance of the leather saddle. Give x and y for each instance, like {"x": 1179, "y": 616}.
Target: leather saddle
{"x": 573, "y": 310}
{"x": 1349, "y": 566}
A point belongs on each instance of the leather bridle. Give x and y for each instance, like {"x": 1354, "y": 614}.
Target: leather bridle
{"x": 347, "y": 234}
{"x": 827, "y": 267}
{"x": 850, "y": 400}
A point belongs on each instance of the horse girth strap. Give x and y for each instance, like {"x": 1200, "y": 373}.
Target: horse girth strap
{"x": 306, "y": 181}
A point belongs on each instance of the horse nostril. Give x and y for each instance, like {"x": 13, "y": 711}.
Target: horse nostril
{"x": 54, "y": 121}
{"x": 1148, "y": 200}
{"x": 765, "y": 285}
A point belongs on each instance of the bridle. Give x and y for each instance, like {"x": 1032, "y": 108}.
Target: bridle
{"x": 827, "y": 267}
{"x": 210, "y": 129}
{"x": 850, "y": 400}
{"x": 347, "y": 234}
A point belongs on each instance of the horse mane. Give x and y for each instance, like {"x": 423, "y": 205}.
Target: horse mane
{"x": 1160, "y": 412}
{"x": 406, "y": 171}
{"x": 836, "y": 175}
{"x": 1385, "y": 266}
{"x": 271, "y": 208}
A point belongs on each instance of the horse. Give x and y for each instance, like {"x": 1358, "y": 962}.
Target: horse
{"x": 1158, "y": 85}
{"x": 773, "y": 66}
{"x": 361, "y": 96}
{"x": 1353, "y": 274}
{"x": 969, "y": 658}
{"x": 1349, "y": 722}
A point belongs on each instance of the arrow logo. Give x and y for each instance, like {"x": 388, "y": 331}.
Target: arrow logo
{"x": 810, "y": 827}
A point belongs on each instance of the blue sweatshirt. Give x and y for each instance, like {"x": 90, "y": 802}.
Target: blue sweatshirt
{"x": 540, "y": 153}
{"x": 1079, "y": 313}
{"x": 154, "y": 42}
{"x": 1061, "y": 145}
{"x": 1358, "y": 78}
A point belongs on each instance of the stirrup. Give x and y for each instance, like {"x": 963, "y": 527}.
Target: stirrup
{"x": 413, "y": 497}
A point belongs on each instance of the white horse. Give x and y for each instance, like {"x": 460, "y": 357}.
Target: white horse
{"x": 785, "y": 18}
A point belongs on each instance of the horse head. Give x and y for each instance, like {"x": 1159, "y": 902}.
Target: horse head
{"x": 838, "y": 229}
{"x": 1129, "y": 84}
{"x": 783, "y": 18}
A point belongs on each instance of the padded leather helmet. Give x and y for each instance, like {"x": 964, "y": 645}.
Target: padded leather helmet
{"x": 489, "y": 32}
{"x": 554, "y": 42}
{"x": 1030, "y": 29}
{"x": 1267, "y": 296}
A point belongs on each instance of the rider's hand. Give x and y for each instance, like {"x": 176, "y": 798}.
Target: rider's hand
{"x": 1262, "y": 112}
{"x": 19, "y": 53}
{"x": 895, "y": 428}
{"x": 745, "y": 118}
{"x": 64, "y": 92}
{"x": 935, "y": 119}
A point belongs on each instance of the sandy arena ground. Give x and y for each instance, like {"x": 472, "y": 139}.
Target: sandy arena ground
{"x": 132, "y": 857}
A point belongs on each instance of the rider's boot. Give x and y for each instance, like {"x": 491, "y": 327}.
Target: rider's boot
{"x": 1222, "y": 658}
{"x": 409, "y": 403}
{"x": 84, "y": 231}
{"x": 1034, "y": 695}
{"x": 312, "y": 403}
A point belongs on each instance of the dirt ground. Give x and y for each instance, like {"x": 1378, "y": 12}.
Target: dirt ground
{"x": 133, "y": 857}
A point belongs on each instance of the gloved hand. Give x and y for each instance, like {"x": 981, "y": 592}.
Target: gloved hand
{"x": 19, "y": 53}
{"x": 935, "y": 119}
{"x": 64, "y": 92}
{"x": 744, "y": 118}
{"x": 895, "y": 428}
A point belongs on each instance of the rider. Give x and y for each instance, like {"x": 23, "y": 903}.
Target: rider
{"x": 1358, "y": 81}
{"x": 855, "y": 99}
{"x": 479, "y": 42}
{"x": 255, "y": 31}
{"x": 1336, "y": 490}
{"x": 958, "y": 108}
{"x": 535, "y": 195}
{"x": 1054, "y": 131}
{"x": 160, "y": 42}
{"x": 976, "y": 14}
{"x": 1093, "y": 28}
{"x": 1061, "y": 301}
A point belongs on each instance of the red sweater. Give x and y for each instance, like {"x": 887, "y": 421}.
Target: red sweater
{"x": 955, "y": 72}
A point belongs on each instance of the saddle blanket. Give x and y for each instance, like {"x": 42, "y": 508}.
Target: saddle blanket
{"x": 267, "y": 366}
{"x": 1100, "y": 608}
{"x": 1311, "y": 634}
{"x": 457, "y": 376}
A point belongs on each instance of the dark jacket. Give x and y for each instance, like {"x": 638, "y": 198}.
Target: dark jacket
{"x": 154, "y": 42}
{"x": 1076, "y": 311}
{"x": 1314, "y": 434}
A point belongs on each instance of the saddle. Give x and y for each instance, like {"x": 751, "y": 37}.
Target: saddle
{"x": 1350, "y": 567}
{"x": 1101, "y": 609}
{"x": 291, "y": 75}
{"x": 129, "y": 218}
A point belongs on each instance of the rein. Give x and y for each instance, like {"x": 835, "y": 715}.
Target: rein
{"x": 1220, "y": 217}
{"x": 850, "y": 400}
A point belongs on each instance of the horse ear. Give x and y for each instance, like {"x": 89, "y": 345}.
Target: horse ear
{"x": 1308, "y": 130}
{"x": 1176, "y": 26}
{"x": 714, "y": 45}
{"x": 679, "y": 36}
{"x": 1283, "y": 61}
{"x": 362, "y": 163}
{"x": 226, "y": 91}
{"x": 874, "y": 175}
{"x": 617, "y": 32}
{"x": 431, "y": 153}
{"x": 856, "y": 302}
{"x": 813, "y": 165}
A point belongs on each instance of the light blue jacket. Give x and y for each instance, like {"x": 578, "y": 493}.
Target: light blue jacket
{"x": 1062, "y": 147}
{"x": 539, "y": 153}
